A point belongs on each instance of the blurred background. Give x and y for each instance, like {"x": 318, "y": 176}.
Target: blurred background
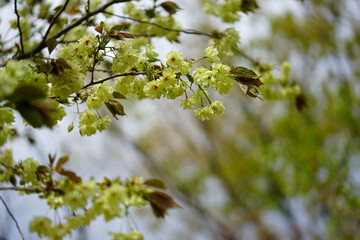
{"x": 263, "y": 170}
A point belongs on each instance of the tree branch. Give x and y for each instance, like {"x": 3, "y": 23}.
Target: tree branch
{"x": 114, "y": 76}
{"x": 35, "y": 190}
{"x": 43, "y": 43}
{"x": 19, "y": 27}
{"x": 53, "y": 20}
{"x": 194, "y": 32}
{"x": 7, "y": 166}
{"x": 12, "y": 216}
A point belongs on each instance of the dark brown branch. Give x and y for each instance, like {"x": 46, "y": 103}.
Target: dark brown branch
{"x": 43, "y": 43}
{"x": 53, "y": 20}
{"x": 194, "y": 32}
{"x": 87, "y": 9}
{"x": 33, "y": 190}
{"x": 13, "y": 218}
{"x": 114, "y": 76}
{"x": 19, "y": 27}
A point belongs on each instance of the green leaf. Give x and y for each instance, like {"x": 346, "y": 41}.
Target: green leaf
{"x": 34, "y": 107}
{"x": 249, "y": 6}
{"x": 244, "y": 73}
{"x": 51, "y": 44}
{"x": 42, "y": 169}
{"x": 156, "y": 183}
{"x": 120, "y": 27}
{"x": 30, "y": 114}
{"x": 170, "y": 7}
{"x": 115, "y": 108}
{"x": 118, "y": 95}
{"x": 26, "y": 93}
{"x": 248, "y": 80}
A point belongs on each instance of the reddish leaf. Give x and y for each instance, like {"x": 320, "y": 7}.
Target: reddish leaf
{"x": 71, "y": 175}
{"x": 74, "y": 10}
{"x": 126, "y": 35}
{"x": 160, "y": 202}
{"x": 99, "y": 28}
{"x": 61, "y": 161}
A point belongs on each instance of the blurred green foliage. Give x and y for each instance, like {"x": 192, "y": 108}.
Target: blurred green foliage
{"x": 295, "y": 162}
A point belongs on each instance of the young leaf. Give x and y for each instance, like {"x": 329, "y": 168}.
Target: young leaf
{"x": 126, "y": 35}
{"x": 119, "y": 35}
{"x": 118, "y": 95}
{"x": 71, "y": 175}
{"x": 244, "y": 73}
{"x": 74, "y": 10}
{"x": 51, "y": 44}
{"x": 30, "y": 114}
{"x": 249, "y": 6}
{"x": 115, "y": 108}
{"x": 31, "y": 103}
{"x": 160, "y": 202}
{"x": 156, "y": 183}
{"x": 247, "y": 79}
{"x": 120, "y": 27}
{"x": 61, "y": 161}
{"x": 99, "y": 28}
{"x": 170, "y": 7}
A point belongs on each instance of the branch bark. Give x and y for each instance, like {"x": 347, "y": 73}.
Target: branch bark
{"x": 53, "y": 20}
{"x": 114, "y": 76}
{"x": 35, "y": 190}
{"x": 19, "y": 27}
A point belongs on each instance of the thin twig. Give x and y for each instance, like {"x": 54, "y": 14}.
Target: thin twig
{"x": 13, "y": 218}
{"x": 53, "y": 20}
{"x": 115, "y": 76}
{"x": 43, "y": 44}
{"x": 95, "y": 62}
{"x": 18, "y": 25}
{"x": 190, "y": 31}
{"x": 205, "y": 94}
